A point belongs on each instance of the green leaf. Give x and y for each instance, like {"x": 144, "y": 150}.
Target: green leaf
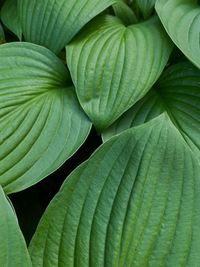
{"x": 145, "y": 7}
{"x": 178, "y": 93}
{"x": 181, "y": 19}
{"x": 135, "y": 202}
{"x": 13, "y": 250}
{"x": 113, "y": 66}
{"x": 2, "y": 36}
{"x": 125, "y": 13}
{"x": 53, "y": 23}
{"x": 10, "y": 18}
{"x": 41, "y": 122}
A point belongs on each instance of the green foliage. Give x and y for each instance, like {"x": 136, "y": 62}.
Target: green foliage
{"x": 130, "y": 69}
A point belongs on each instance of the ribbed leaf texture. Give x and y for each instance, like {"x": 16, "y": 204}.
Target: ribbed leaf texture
{"x": 135, "y": 202}
{"x": 53, "y": 23}
{"x": 41, "y": 122}
{"x": 113, "y": 66}
{"x": 178, "y": 93}
{"x": 181, "y": 19}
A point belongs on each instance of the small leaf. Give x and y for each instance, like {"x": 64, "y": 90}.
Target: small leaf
{"x": 135, "y": 202}
{"x": 53, "y": 23}
{"x": 41, "y": 122}
{"x": 10, "y": 18}
{"x": 13, "y": 250}
{"x": 178, "y": 93}
{"x": 113, "y": 66}
{"x": 181, "y": 19}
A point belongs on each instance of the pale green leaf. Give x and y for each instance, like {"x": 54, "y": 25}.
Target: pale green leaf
{"x": 41, "y": 122}
{"x": 135, "y": 202}
{"x": 53, "y": 23}
{"x": 181, "y": 19}
{"x": 10, "y": 19}
{"x": 178, "y": 93}
{"x": 13, "y": 250}
{"x": 113, "y": 66}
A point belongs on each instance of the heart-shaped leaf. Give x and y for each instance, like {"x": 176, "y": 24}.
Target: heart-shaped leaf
{"x": 13, "y": 250}
{"x": 53, "y": 23}
{"x": 41, "y": 122}
{"x": 178, "y": 93}
{"x": 134, "y": 203}
{"x": 181, "y": 19}
{"x": 113, "y": 66}
{"x": 10, "y": 18}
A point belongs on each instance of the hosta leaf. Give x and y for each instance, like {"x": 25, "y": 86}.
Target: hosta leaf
{"x": 124, "y": 12}
{"x": 41, "y": 122}
{"x": 178, "y": 93}
{"x": 10, "y": 18}
{"x": 134, "y": 203}
{"x": 113, "y": 66}
{"x": 145, "y": 6}
{"x": 53, "y": 23}
{"x": 181, "y": 19}
{"x": 13, "y": 250}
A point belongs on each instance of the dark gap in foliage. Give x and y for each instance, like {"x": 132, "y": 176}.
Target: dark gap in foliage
{"x": 31, "y": 203}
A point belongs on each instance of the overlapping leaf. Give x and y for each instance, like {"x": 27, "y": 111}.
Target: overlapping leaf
{"x": 178, "y": 93}
{"x": 113, "y": 66}
{"x": 13, "y": 250}
{"x": 134, "y": 203}
{"x": 181, "y": 19}
{"x": 145, "y": 6}
{"x": 53, "y": 23}
{"x": 10, "y": 18}
{"x": 41, "y": 123}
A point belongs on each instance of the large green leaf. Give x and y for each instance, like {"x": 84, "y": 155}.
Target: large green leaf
{"x": 53, "y": 23}
{"x": 10, "y": 18}
{"x": 181, "y": 19}
{"x": 13, "y": 250}
{"x": 113, "y": 66}
{"x": 134, "y": 203}
{"x": 41, "y": 122}
{"x": 178, "y": 93}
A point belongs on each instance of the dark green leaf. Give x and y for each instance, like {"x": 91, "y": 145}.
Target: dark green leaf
{"x": 10, "y": 18}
